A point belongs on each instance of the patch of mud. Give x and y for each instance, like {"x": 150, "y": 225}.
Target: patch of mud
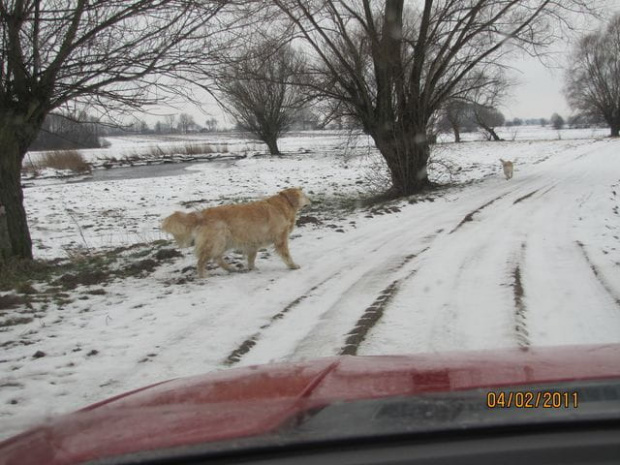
{"x": 306, "y": 219}
{"x": 191, "y": 203}
{"x": 10, "y": 301}
{"x": 166, "y": 254}
{"x": 70, "y": 281}
{"x": 141, "y": 267}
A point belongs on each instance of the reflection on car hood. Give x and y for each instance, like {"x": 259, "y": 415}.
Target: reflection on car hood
{"x": 255, "y": 401}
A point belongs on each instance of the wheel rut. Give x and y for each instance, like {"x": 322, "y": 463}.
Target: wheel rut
{"x": 237, "y": 354}
{"x": 598, "y": 275}
{"x": 470, "y": 216}
{"x": 375, "y": 311}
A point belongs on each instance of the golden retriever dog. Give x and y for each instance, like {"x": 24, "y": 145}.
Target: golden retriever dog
{"x": 247, "y": 227}
{"x": 508, "y": 168}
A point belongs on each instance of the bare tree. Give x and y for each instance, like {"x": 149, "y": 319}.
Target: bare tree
{"x": 186, "y": 122}
{"x": 393, "y": 67}
{"x": 260, "y": 90}
{"x": 454, "y": 115}
{"x": 106, "y": 52}
{"x": 169, "y": 125}
{"x": 487, "y": 119}
{"x": 476, "y": 101}
{"x": 67, "y": 131}
{"x": 593, "y": 78}
{"x": 211, "y": 124}
{"x": 556, "y": 121}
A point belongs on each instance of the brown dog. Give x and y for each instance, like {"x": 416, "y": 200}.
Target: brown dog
{"x": 247, "y": 227}
{"x": 508, "y": 168}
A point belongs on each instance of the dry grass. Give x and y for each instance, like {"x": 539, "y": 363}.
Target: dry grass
{"x": 190, "y": 148}
{"x": 62, "y": 160}
{"x": 31, "y": 168}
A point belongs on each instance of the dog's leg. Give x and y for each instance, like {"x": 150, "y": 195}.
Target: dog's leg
{"x": 220, "y": 261}
{"x": 203, "y": 259}
{"x": 204, "y": 252}
{"x": 217, "y": 252}
{"x": 282, "y": 249}
{"x": 251, "y": 257}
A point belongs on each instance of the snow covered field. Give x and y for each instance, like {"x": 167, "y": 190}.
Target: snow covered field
{"x": 484, "y": 263}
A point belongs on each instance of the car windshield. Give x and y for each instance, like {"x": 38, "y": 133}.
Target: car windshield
{"x": 190, "y": 187}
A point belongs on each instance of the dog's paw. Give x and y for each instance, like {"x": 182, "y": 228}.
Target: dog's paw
{"x": 294, "y": 266}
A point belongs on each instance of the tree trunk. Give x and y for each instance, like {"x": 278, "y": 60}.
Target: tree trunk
{"x": 5, "y": 243}
{"x": 272, "y": 144}
{"x": 491, "y": 132}
{"x": 615, "y": 130}
{"x": 406, "y": 154}
{"x": 457, "y": 132}
{"x": 15, "y": 137}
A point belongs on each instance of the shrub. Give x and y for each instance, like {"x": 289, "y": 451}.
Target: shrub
{"x": 65, "y": 160}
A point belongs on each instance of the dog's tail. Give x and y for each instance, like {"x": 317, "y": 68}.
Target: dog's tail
{"x": 181, "y": 226}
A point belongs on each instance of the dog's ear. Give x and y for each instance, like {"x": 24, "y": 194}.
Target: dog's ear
{"x": 292, "y": 195}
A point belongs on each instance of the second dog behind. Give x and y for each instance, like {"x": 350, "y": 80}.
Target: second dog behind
{"x": 247, "y": 227}
{"x": 508, "y": 168}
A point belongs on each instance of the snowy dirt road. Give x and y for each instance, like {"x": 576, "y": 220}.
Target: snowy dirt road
{"x": 512, "y": 263}
{"x": 526, "y": 262}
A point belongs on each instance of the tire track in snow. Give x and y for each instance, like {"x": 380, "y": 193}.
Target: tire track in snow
{"x": 375, "y": 311}
{"x": 327, "y": 328}
{"x": 470, "y": 216}
{"x": 520, "y": 313}
{"x": 526, "y": 196}
{"x": 237, "y": 354}
{"x": 598, "y": 275}
{"x": 449, "y": 314}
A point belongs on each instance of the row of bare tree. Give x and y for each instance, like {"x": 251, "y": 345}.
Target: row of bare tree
{"x": 388, "y": 65}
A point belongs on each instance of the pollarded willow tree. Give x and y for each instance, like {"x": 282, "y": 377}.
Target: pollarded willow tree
{"x": 392, "y": 64}
{"x": 593, "y": 77}
{"x": 477, "y": 106}
{"x": 260, "y": 89}
{"x": 105, "y": 53}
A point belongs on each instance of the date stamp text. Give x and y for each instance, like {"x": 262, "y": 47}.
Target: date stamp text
{"x": 533, "y": 399}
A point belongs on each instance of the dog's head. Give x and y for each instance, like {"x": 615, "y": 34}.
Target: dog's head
{"x": 180, "y": 225}
{"x": 295, "y": 197}
{"x": 505, "y": 163}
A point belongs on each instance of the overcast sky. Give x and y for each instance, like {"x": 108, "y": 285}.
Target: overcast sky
{"x": 537, "y": 94}
{"x": 539, "y": 90}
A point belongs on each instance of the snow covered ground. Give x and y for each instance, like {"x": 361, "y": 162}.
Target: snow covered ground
{"x": 485, "y": 263}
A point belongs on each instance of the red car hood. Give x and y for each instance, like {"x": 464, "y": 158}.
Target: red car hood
{"x": 256, "y": 400}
